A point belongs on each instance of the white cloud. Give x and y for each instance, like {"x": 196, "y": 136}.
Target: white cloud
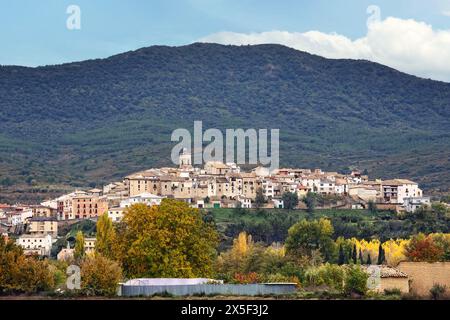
{"x": 407, "y": 45}
{"x": 446, "y": 13}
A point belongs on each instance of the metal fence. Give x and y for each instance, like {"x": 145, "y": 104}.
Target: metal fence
{"x": 208, "y": 289}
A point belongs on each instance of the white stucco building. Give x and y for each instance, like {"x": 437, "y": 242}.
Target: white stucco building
{"x": 116, "y": 214}
{"x": 413, "y": 203}
{"x": 396, "y": 190}
{"x": 145, "y": 198}
{"x": 36, "y": 244}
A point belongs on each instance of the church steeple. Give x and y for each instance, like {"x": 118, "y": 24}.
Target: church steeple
{"x": 185, "y": 160}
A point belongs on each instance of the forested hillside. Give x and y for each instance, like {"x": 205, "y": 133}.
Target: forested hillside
{"x": 88, "y": 122}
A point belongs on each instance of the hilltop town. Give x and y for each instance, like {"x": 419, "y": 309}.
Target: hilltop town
{"x": 216, "y": 185}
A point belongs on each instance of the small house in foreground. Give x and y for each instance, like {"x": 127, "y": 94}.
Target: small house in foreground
{"x": 387, "y": 278}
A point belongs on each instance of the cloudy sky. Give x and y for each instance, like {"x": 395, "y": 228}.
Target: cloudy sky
{"x": 410, "y": 35}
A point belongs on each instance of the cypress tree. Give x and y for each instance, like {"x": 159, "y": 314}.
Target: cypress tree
{"x": 342, "y": 259}
{"x": 361, "y": 260}
{"x": 354, "y": 254}
{"x": 350, "y": 255}
{"x": 381, "y": 256}
{"x": 259, "y": 199}
{"x": 369, "y": 260}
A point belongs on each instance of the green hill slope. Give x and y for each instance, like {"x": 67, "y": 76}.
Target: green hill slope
{"x": 88, "y": 122}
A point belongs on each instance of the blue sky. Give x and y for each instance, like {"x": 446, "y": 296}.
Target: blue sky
{"x": 34, "y": 32}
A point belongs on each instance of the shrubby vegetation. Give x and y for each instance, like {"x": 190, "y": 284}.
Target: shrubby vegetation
{"x": 99, "y": 275}
{"x": 21, "y": 274}
{"x": 330, "y": 275}
{"x": 174, "y": 240}
{"x": 272, "y": 225}
{"x": 249, "y": 262}
{"x": 429, "y": 248}
{"x": 356, "y": 281}
{"x": 439, "y": 292}
{"x": 310, "y": 239}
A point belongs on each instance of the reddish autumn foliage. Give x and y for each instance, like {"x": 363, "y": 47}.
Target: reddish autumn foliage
{"x": 424, "y": 248}
{"x": 246, "y": 278}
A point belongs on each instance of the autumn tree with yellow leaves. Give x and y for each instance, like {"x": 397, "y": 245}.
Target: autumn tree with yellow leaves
{"x": 169, "y": 240}
{"x": 240, "y": 258}
{"x": 20, "y": 273}
{"x": 394, "y": 250}
{"x": 105, "y": 236}
{"x": 100, "y": 276}
{"x": 249, "y": 262}
{"x": 78, "y": 252}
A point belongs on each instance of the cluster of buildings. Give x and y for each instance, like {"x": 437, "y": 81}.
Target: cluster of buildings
{"x": 216, "y": 185}
{"x": 36, "y": 228}
{"x": 224, "y": 185}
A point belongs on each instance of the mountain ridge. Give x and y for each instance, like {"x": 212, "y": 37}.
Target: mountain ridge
{"x": 88, "y": 122}
{"x": 213, "y": 44}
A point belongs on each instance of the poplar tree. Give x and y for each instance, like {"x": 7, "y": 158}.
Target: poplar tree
{"x": 342, "y": 259}
{"x": 79, "y": 246}
{"x": 105, "y": 236}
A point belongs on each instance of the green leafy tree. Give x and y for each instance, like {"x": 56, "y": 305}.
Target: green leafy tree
{"x": 259, "y": 198}
{"x": 305, "y": 237}
{"x": 310, "y": 201}
{"x": 356, "y": 281}
{"x": 446, "y": 198}
{"x": 372, "y": 207}
{"x": 6, "y": 182}
{"x": 442, "y": 240}
{"x": 290, "y": 200}
{"x": 327, "y": 274}
{"x": 354, "y": 254}
{"x": 441, "y": 209}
